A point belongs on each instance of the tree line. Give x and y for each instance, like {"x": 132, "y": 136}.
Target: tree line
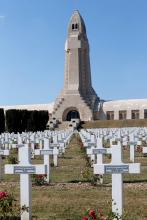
{"x": 14, "y": 120}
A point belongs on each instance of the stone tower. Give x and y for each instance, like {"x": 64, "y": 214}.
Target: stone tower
{"x": 77, "y": 99}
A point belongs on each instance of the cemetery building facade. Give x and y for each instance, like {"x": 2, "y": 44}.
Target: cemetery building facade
{"x": 78, "y": 99}
{"x": 124, "y": 109}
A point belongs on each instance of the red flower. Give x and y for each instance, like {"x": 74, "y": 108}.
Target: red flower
{"x": 92, "y": 214}
{"x": 85, "y": 218}
{"x": 3, "y": 195}
{"x": 40, "y": 176}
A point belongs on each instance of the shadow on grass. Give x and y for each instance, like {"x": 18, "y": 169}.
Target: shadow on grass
{"x": 65, "y": 157}
{"x": 136, "y": 181}
{"x": 90, "y": 182}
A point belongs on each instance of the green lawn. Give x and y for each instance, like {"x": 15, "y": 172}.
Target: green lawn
{"x": 70, "y": 193}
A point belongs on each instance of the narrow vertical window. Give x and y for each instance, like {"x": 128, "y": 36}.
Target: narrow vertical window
{"x": 110, "y": 115}
{"x": 122, "y": 115}
{"x": 76, "y": 26}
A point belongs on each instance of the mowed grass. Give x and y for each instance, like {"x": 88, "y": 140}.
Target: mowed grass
{"x": 71, "y": 164}
{"x": 69, "y": 195}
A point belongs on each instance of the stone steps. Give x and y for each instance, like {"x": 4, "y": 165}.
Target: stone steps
{"x": 63, "y": 125}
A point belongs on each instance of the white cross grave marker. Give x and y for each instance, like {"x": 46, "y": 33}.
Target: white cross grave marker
{"x": 46, "y": 152}
{"x": 99, "y": 151}
{"x": 117, "y": 168}
{"x": 25, "y": 168}
{"x": 2, "y": 153}
{"x": 132, "y": 144}
{"x": 58, "y": 144}
{"x": 89, "y": 151}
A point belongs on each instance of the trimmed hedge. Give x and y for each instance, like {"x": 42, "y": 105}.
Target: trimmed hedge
{"x": 24, "y": 120}
{"x": 2, "y": 120}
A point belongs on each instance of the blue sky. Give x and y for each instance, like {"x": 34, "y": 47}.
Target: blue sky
{"x": 32, "y": 38}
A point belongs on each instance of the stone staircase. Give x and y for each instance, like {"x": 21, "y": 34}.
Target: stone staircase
{"x": 86, "y": 101}
{"x": 63, "y": 125}
{"x": 57, "y": 105}
{"x": 90, "y": 101}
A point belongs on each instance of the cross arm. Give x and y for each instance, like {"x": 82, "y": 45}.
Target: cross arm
{"x": 4, "y": 152}
{"x": 116, "y": 168}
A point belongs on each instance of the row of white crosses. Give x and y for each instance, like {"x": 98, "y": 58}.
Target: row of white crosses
{"x": 41, "y": 138}
{"x": 94, "y": 146}
{"x": 7, "y": 139}
{"x": 116, "y": 167}
{"x": 131, "y": 137}
{"x": 25, "y": 168}
{"x": 32, "y": 139}
{"x": 128, "y": 139}
{"x": 128, "y": 136}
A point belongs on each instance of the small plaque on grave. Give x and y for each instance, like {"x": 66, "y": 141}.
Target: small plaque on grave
{"x": 132, "y": 143}
{"x": 116, "y": 169}
{"x": 60, "y": 141}
{"x": 54, "y": 145}
{"x": 88, "y": 140}
{"x": 90, "y": 144}
{"x": 1, "y": 152}
{"x": 99, "y": 151}
{"x": 24, "y": 170}
{"x": 46, "y": 152}
{"x": 19, "y": 145}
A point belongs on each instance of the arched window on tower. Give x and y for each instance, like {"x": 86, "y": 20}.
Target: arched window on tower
{"x": 75, "y": 27}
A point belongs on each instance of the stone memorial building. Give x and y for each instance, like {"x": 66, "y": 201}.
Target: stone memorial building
{"x": 78, "y": 99}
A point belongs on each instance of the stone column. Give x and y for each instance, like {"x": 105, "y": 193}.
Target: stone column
{"x": 141, "y": 113}
{"x": 129, "y": 114}
{"x": 116, "y": 115}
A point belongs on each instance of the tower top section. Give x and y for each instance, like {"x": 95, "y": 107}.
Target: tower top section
{"x": 76, "y": 24}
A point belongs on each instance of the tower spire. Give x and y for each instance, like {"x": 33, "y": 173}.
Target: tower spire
{"x": 77, "y": 93}
{"x": 76, "y": 24}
